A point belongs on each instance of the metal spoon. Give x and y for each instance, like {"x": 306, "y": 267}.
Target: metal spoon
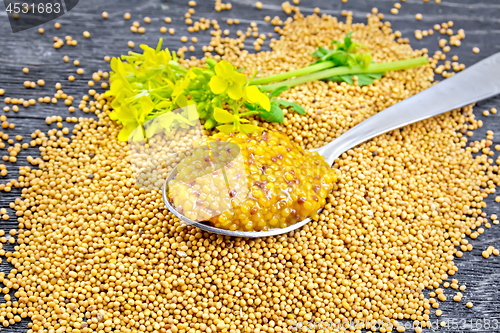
{"x": 476, "y": 83}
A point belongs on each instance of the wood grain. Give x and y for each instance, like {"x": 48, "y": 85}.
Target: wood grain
{"x": 479, "y": 18}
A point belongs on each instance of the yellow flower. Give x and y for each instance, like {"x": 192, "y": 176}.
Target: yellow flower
{"x": 227, "y": 79}
{"x": 254, "y": 95}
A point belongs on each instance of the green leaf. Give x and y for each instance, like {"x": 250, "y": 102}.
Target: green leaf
{"x": 294, "y": 106}
{"x": 363, "y": 79}
{"x": 222, "y": 116}
{"x": 252, "y": 107}
{"x": 364, "y": 60}
{"x": 341, "y": 78}
{"x": 278, "y": 91}
{"x": 321, "y": 51}
{"x": 344, "y": 53}
{"x": 274, "y": 115}
{"x": 366, "y": 79}
{"x": 348, "y": 41}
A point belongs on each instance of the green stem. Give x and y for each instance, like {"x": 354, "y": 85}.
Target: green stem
{"x": 249, "y": 113}
{"x": 294, "y": 73}
{"x": 373, "y": 68}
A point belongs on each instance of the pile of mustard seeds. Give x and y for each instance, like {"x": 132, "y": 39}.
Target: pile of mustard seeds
{"x": 97, "y": 253}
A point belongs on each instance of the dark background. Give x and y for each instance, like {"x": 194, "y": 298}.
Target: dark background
{"x": 479, "y": 18}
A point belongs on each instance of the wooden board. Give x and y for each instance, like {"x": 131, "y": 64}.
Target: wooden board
{"x": 479, "y": 18}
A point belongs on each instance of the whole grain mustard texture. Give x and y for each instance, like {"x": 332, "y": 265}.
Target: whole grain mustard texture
{"x": 95, "y": 253}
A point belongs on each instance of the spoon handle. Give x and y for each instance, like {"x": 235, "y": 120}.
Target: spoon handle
{"x": 476, "y": 83}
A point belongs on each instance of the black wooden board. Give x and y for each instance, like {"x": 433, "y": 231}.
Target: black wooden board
{"x": 479, "y": 18}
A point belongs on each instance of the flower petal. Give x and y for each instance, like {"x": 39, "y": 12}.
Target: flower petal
{"x": 217, "y": 84}
{"x": 126, "y": 131}
{"x": 227, "y": 129}
{"x": 265, "y": 102}
{"x": 239, "y": 78}
{"x": 249, "y": 128}
{"x": 224, "y": 68}
{"x": 235, "y": 91}
{"x": 222, "y": 116}
{"x": 252, "y": 94}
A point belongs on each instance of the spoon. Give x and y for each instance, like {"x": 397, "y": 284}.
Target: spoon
{"x": 476, "y": 83}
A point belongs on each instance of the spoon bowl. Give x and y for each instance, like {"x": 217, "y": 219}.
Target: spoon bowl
{"x": 209, "y": 228}
{"x": 476, "y": 83}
